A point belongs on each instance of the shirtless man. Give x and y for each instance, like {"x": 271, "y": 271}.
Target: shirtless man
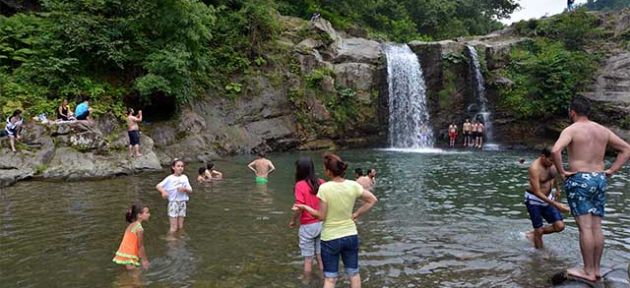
{"x": 467, "y": 129}
{"x": 364, "y": 180}
{"x": 479, "y": 139}
{"x": 134, "y": 132}
{"x": 262, "y": 167}
{"x": 540, "y": 201}
{"x": 473, "y": 134}
{"x": 585, "y": 181}
{"x": 452, "y": 134}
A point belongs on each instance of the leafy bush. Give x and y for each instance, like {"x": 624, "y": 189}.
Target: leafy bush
{"x": 314, "y": 79}
{"x": 546, "y": 76}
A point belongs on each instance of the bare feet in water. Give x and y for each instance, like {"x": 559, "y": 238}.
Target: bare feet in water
{"x": 580, "y": 273}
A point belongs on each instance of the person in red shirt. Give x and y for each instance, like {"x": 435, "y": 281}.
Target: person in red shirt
{"x": 306, "y": 186}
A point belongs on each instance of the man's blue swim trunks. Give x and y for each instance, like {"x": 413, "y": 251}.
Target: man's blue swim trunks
{"x": 586, "y": 193}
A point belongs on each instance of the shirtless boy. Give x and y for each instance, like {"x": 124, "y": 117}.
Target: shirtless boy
{"x": 134, "y": 132}
{"x": 585, "y": 181}
{"x": 540, "y": 201}
{"x": 262, "y": 167}
{"x": 466, "y": 130}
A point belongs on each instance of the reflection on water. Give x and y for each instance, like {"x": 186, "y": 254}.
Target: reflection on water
{"x": 443, "y": 220}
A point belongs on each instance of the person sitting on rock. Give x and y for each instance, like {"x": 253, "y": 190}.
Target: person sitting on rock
{"x": 83, "y": 110}
{"x": 63, "y": 111}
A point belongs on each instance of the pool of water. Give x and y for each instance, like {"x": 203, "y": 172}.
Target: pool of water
{"x": 443, "y": 220}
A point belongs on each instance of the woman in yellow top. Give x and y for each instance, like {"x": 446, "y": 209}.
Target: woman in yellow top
{"x": 339, "y": 236}
{"x": 131, "y": 249}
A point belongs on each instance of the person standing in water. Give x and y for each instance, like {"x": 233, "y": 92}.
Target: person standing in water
{"x": 339, "y": 233}
{"x": 131, "y": 252}
{"x": 262, "y": 167}
{"x": 306, "y": 187}
{"x": 364, "y": 180}
{"x": 466, "y": 128}
{"x": 175, "y": 188}
{"x": 452, "y": 134}
{"x": 539, "y": 200}
{"x": 585, "y": 181}
{"x": 480, "y": 130}
{"x": 211, "y": 173}
{"x": 134, "y": 132}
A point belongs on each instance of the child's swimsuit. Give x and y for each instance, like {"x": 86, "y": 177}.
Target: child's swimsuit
{"x": 127, "y": 253}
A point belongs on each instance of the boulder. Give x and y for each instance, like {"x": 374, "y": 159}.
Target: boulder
{"x": 357, "y": 50}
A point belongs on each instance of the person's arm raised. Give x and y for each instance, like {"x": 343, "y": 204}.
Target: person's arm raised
{"x": 368, "y": 201}
{"x": 623, "y": 153}
{"x": 556, "y": 152}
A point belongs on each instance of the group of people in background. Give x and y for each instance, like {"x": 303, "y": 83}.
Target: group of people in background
{"x": 473, "y": 133}
{"x": 324, "y": 210}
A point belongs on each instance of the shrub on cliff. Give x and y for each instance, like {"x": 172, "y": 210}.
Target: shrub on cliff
{"x": 546, "y": 76}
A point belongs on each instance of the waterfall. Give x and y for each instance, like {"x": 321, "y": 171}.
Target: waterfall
{"x": 480, "y": 94}
{"x": 409, "y": 125}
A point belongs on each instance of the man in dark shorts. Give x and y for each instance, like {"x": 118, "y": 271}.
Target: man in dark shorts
{"x": 466, "y": 128}
{"x": 540, "y": 201}
{"x": 134, "y": 132}
{"x": 585, "y": 181}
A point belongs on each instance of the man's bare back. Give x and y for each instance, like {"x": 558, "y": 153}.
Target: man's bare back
{"x": 262, "y": 167}
{"x": 586, "y": 145}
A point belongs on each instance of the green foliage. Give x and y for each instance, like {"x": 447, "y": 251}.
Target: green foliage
{"x": 607, "y": 5}
{"x": 406, "y": 20}
{"x": 342, "y": 106}
{"x": 573, "y": 29}
{"x": 454, "y": 58}
{"x": 314, "y": 79}
{"x": 546, "y": 76}
{"x": 233, "y": 89}
{"x": 106, "y": 49}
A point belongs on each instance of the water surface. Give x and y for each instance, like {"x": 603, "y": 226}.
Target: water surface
{"x": 443, "y": 220}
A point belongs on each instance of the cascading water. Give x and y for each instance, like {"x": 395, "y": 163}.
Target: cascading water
{"x": 480, "y": 93}
{"x": 409, "y": 125}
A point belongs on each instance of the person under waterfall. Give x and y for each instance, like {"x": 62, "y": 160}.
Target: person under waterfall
{"x": 480, "y": 131}
{"x": 452, "y": 134}
{"x": 466, "y": 128}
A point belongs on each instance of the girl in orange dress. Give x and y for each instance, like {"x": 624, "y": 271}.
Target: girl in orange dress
{"x": 131, "y": 251}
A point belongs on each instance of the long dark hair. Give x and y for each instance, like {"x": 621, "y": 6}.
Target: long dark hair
{"x": 305, "y": 170}
{"x": 132, "y": 213}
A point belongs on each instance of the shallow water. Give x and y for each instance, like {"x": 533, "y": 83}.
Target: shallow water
{"x": 443, "y": 220}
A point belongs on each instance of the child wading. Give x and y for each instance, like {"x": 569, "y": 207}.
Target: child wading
{"x": 176, "y": 188}
{"x": 131, "y": 251}
{"x": 306, "y": 187}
